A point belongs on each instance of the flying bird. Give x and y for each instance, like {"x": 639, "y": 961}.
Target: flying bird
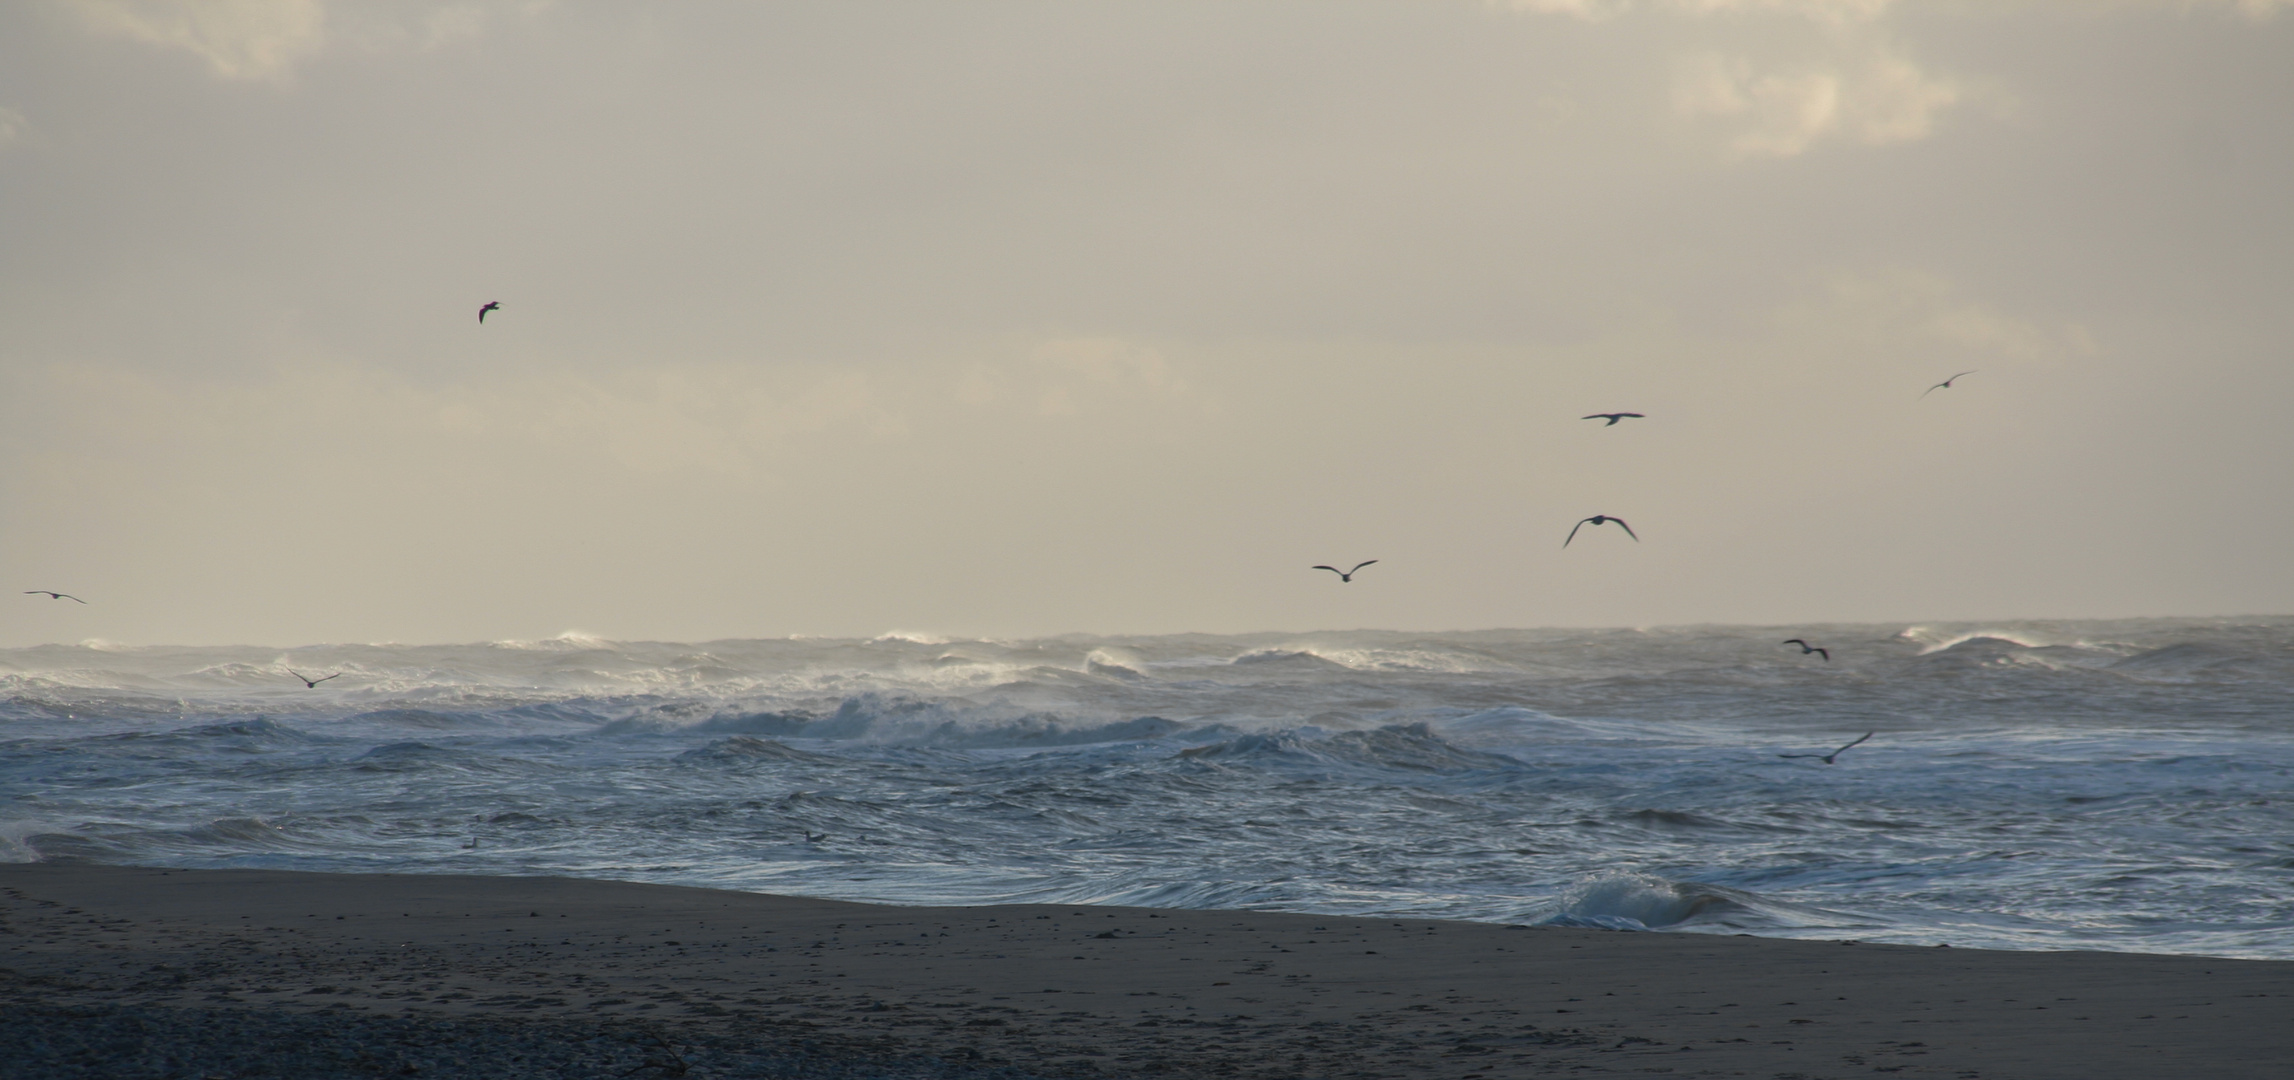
{"x": 1612, "y": 417}
{"x": 311, "y": 683}
{"x": 1944, "y": 385}
{"x": 53, "y": 595}
{"x": 491, "y": 305}
{"x": 1806, "y": 648}
{"x": 1827, "y": 758}
{"x": 1345, "y": 575}
{"x": 1601, "y": 519}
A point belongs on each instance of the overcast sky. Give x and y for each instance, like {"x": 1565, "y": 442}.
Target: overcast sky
{"x": 995, "y": 318}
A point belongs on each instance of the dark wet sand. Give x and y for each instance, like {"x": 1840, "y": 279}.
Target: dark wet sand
{"x": 1125, "y": 991}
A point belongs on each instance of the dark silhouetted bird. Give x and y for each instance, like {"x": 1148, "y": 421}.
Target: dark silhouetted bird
{"x": 1601, "y": 519}
{"x": 1806, "y": 648}
{"x": 1944, "y": 385}
{"x": 54, "y": 595}
{"x": 491, "y": 305}
{"x": 312, "y": 683}
{"x": 1612, "y": 417}
{"x": 1345, "y": 575}
{"x": 1827, "y": 758}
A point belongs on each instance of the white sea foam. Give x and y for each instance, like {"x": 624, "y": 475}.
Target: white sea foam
{"x": 2096, "y": 785}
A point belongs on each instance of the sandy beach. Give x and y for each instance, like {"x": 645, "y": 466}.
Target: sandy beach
{"x": 683, "y": 981}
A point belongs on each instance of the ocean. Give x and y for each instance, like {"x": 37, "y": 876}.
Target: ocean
{"x": 2117, "y": 785}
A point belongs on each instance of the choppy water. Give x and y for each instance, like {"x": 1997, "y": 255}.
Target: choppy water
{"x": 2112, "y": 785}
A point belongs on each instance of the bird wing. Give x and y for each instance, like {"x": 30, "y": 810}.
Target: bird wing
{"x": 1634, "y": 415}
{"x": 1858, "y": 742}
{"x": 1822, "y": 651}
{"x": 1793, "y": 641}
{"x": 1944, "y": 385}
{"x": 298, "y": 674}
{"x": 1573, "y": 531}
{"x": 1628, "y": 529}
{"x": 336, "y": 675}
{"x": 1358, "y": 566}
{"x": 1597, "y": 416}
{"x": 1332, "y": 569}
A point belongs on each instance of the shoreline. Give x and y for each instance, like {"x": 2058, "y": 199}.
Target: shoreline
{"x": 1025, "y": 990}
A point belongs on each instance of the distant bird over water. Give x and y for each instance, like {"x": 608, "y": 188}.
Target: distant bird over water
{"x": 1345, "y": 576}
{"x": 491, "y": 305}
{"x": 311, "y": 683}
{"x": 1601, "y": 519}
{"x": 1827, "y": 758}
{"x": 1612, "y": 417}
{"x": 1944, "y": 385}
{"x": 1806, "y": 648}
{"x": 54, "y": 595}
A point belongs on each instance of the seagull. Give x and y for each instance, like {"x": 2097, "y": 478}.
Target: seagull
{"x": 1944, "y": 385}
{"x": 1612, "y": 417}
{"x": 1601, "y": 519}
{"x": 53, "y": 595}
{"x": 1827, "y": 758}
{"x": 496, "y": 305}
{"x": 1806, "y": 648}
{"x": 311, "y": 683}
{"x": 1345, "y": 575}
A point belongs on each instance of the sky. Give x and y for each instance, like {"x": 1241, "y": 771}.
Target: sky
{"x": 1015, "y": 318}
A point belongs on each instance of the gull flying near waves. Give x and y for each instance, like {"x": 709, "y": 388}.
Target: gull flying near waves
{"x": 1612, "y": 417}
{"x": 491, "y": 305}
{"x": 1806, "y": 648}
{"x": 1345, "y": 576}
{"x": 1601, "y": 519}
{"x": 1827, "y": 758}
{"x": 1944, "y": 385}
{"x": 311, "y": 683}
{"x": 53, "y": 595}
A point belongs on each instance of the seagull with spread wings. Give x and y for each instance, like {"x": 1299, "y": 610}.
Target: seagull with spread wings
{"x": 53, "y": 595}
{"x": 1601, "y": 519}
{"x": 1345, "y": 575}
{"x": 1944, "y": 385}
{"x": 1827, "y": 758}
{"x": 1806, "y": 648}
{"x": 491, "y": 305}
{"x": 311, "y": 683}
{"x": 1612, "y": 417}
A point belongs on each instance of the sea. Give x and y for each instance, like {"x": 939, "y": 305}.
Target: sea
{"x": 2104, "y": 785}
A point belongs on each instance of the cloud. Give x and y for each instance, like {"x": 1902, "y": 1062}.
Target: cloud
{"x": 266, "y": 40}
{"x": 1073, "y": 376}
{"x": 12, "y": 126}
{"x": 1873, "y": 96}
{"x": 1850, "y": 81}
{"x": 255, "y": 40}
{"x": 1921, "y": 318}
{"x": 1822, "y": 10}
